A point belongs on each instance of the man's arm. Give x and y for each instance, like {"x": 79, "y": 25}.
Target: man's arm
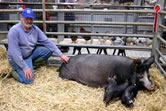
{"x": 14, "y": 49}
{"x": 43, "y": 39}
{"x": 52, "y": 46}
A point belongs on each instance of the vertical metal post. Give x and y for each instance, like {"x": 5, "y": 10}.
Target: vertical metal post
{"x": 135, "y": 16}
{"x": 156, "y": 42}
{"x": 44, "y": 16}
{"x": 92, "y": 19}
{"x": 61, "y": 27}
{"x": 92, "y": 26}
{"x": 125, "y": 20}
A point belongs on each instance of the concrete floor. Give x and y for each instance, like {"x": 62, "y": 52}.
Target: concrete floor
{"x": 129, "y": 53}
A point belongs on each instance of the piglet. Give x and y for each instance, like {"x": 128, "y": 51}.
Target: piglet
{"x": 113, "y": 90}
{"x": 128, "y": 96}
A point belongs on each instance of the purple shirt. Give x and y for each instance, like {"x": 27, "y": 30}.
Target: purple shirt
{"x": 21, "y": 43}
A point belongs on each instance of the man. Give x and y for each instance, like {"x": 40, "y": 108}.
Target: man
{"x": 23, "y": 52}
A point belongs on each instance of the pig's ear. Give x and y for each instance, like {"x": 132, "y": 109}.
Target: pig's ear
{"x": 137, "y": 62}
{"x": 148, "y": 62}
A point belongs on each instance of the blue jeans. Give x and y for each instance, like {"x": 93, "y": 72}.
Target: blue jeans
{"x": 39, "y": 52}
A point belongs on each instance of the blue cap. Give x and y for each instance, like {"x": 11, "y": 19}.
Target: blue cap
{"x": 28, "y": 12}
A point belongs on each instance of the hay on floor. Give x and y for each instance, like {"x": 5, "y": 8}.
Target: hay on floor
{"x": 49, "y": 93}
{"x": 3, "y": 53}
{"x": 5, "y": 67}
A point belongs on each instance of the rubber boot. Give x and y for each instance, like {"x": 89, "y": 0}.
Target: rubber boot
{"x": 38, "y": 62}
{"x": 14, "y": 74}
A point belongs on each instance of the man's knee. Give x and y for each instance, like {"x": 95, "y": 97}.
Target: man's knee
{"x": 48, "y": 53}
{"x": 21, "y": 79}
{"x": 45, "y": 52}
{"x": 26, "y": 80}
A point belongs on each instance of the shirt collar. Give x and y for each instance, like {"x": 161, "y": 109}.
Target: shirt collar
{"x": 24, "y": 29}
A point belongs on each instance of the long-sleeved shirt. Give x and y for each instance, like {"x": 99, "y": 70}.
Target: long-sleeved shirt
{"x": 21, "y": 43}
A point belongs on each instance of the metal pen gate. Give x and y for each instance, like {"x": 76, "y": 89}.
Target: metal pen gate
{"x": 101, "y": 20}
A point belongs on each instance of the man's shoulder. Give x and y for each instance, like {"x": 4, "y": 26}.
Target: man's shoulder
{"x": 15, "y": 27}
{"x": 35, "y": 27}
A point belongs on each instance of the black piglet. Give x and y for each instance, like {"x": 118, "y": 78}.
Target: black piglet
{"x": 129, "y": 95}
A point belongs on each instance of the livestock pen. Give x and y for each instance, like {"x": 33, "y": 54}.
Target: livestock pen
{"x": 103, "y": 23}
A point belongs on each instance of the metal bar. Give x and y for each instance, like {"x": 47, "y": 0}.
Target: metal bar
{"x": 161, "y": 39}
{"x": 101, "y": 34}
{"x": 160, "y": 67}
{"x": 100, "y": 11}
{"x": 9, "y": 21}
{"x": 117, "y": 26}
{"x": 162, "y": 26}
{"x": 85, "y": 22}
{"x": 102, "y": 23}
{"x": 3, "y": 32}
{"x": 83, "y": 4}
{"x": 81, "y": 10}
{"x": 139, "y": 48}
{"x": 44, "y": 16}
{"x": 145, "y": 17}
{"x": 22, "y": 3}
{"x": 125, "y": 20}
{"x": 94, "y": 34}
{"x": 108, "y": 46}
{"x": 163, "y": 12}
{"x": 156, "y": 41}
{"x": 163, "y": 64}
{"x": 18, "y": 10}
{"x": 161, "y": 55}
{"x": 16, "y": 21}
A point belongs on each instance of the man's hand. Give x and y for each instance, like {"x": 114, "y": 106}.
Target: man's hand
{"x": 64, "y": 58}
{"x": 28, "y": 73}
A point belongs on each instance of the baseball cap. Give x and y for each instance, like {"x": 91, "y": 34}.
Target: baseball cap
{"x": 28, "y": 12}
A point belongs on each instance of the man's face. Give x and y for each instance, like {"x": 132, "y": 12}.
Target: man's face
{"x": 27, "y": 22}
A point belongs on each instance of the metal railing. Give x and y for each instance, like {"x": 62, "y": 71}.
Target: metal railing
{"x": 160, "y": 59}
{"x": 135, "y": 9}
{"x": 92, "y": 11}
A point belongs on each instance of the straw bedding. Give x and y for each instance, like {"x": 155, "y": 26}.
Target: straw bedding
{"x": 5, "y": 66}
{"x": 49, "y": 93}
